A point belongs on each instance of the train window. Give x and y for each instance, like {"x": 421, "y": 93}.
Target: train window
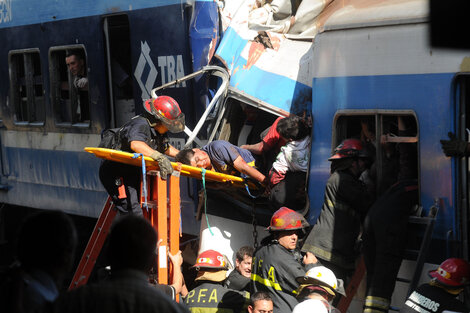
{"x": 397, "y": 157}
{"x": 27, "y": 92}
{"x": 69, "y": 85}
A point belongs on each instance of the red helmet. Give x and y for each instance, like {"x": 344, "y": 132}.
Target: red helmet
{"x": 452, "y": 272}
{"x": 166, "y": 110}
{"x": 287, "y": 219}
{"x": 349, "y": 148}
{"x": 211, "y": 259}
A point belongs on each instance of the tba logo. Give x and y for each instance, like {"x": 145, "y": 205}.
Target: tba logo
{"x": 5, "y": 11}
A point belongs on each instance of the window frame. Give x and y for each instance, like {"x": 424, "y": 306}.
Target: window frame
{"x": 54, "y": 94}
{"x": 30, "y": 80}
{"x": 379, "y": 114}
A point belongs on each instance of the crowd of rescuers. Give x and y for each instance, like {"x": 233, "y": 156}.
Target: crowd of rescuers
{"x": 282, "y": 280}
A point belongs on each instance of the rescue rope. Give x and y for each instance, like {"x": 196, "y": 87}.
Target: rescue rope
{"x": 144, "y": 178}
{"x": 249, "y": 193}
{"x": 203, "y": 176}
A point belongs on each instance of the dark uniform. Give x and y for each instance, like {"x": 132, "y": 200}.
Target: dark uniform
{"x": 433, "y": 299}
{"x": 275, "y": 270}
{"x": 137, "y": 129}
{"x": 385, "y": 231}
{"x": 385, "y": 238}
{"x": 237, "y": 281}
{"x": 333, "y": 238}
{"x": 209, "y": 297}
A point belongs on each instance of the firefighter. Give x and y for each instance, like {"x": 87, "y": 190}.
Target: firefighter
{"x": 385, "y": 228}
{"x": 210, "y": 295}
{"x": 439, "y": 295}
{"x": 275, "y": 265}
{"x": 317, "y": 290}
{"x": 334, "y": 237}
{"x": 146, "y": 134}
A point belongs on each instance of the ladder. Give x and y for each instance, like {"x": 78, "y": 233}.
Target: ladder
{"x": 164, "y": 215}
{"x": 360, "y": 271}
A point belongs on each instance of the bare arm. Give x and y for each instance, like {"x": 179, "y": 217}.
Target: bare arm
{"x": 177, "y": 279}
{"x": 241, "y": 166}
{"x": 256, "y": 148}
{"x": 142, "y": 147}
{"x": 172, "y": 151}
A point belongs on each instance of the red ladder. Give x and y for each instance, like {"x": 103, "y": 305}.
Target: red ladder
{"x": 166, "y": 223}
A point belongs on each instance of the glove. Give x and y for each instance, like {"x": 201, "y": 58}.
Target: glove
{"x": 454, "y": 146}
{"x": 80, "y": 82}
{"x": 164, "y": 164}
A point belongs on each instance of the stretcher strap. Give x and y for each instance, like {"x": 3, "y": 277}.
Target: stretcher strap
{"x": 144, "y": 178}
{"x": 203, "y": 177}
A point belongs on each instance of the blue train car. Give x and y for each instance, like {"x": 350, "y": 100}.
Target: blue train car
{"x": 129, "y": 47}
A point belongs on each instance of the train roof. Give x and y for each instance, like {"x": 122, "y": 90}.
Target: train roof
{"x": 29, "y": 12}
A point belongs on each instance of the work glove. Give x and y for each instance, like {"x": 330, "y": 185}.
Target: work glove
{"x": 454, "y": 147}
{"x": 164, "y": 164}
{"x": 80, "y": 82}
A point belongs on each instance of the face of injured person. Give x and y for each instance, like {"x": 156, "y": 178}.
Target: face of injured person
{"x": 201, "y": 159}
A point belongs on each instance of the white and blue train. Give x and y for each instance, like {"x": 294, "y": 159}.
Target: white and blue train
{"x": 339, "y": 63}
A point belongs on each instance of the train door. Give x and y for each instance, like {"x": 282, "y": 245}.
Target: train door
{"x": 462, "y": 96}
{"x": 119, "y": 69}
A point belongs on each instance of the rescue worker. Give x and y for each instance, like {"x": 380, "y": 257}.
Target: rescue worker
{"x": 275, "y": 265}
{"x": 385, "y": 229}
{"x": 209, "y": 294}
{"x": 334, "y": 237}
{"x": 146, "y": 134}
{"x": 439, "y": 295}
{"x": 318, "y": 288}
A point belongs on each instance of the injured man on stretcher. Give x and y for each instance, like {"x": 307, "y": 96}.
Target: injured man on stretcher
{"x": 221, "y": 156}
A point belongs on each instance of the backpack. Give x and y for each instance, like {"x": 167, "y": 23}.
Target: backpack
{"x": 110, "y": 138}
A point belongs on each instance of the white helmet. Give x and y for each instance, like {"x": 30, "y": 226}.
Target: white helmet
{"x": 320, "y": 276}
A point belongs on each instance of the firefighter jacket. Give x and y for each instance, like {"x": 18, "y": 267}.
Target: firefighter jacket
{"x": 333, "y": 238}
{"x": 275, "y": 270}
{"x": 209, "y": 297}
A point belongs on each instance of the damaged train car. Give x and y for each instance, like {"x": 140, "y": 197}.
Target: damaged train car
{"x": 348, "y": 66}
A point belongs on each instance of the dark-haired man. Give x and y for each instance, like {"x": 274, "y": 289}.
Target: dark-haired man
{"x": 281, "y": 131}
{"x": 132, "y": 251}
{"x": 222, "y": 156}
{"x": 45, "y": 254}
{"x": 286, "y": 151}
{"x": 76, "y": 65}
{"x": 239, "y": 278}
{"x": 260, "y": 302}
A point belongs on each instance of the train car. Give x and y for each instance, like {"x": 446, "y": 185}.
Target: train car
{"x": 366, "y": 65}
{"x": 128, "y": 48}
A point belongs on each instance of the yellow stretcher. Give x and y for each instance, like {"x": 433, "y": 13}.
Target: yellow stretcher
{"x": 186, "y": 170}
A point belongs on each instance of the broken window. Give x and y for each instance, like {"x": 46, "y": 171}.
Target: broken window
{"x": 27, "y": 94}
{"x": 69, "y": 85}
{"x": 382, "y": 135}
